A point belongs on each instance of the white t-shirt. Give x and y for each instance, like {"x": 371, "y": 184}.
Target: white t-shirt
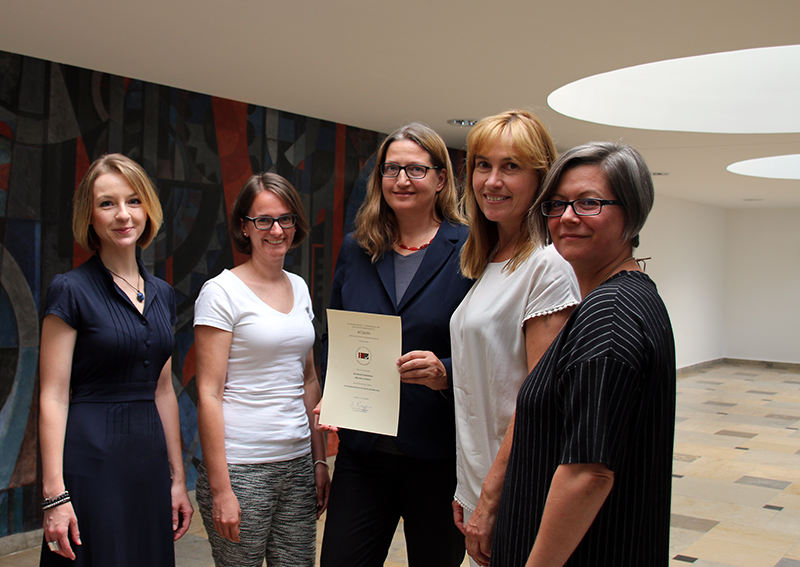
{"x": 262, "y": 404}
{"x": 489, "y": 356}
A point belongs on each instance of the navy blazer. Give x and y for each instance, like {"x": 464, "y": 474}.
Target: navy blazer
{"x": 427, "y": 421}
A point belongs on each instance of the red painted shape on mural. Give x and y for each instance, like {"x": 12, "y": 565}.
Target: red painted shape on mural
{"x": 5, "y": 172}
{"x": 168, "y": 274}
{"x": 230, "y": 123}
{"x": 5, "y": 130}
{"x": 79, "y": 255}
{"x": 189, "y": 366}
{"x": 338, "y": 190}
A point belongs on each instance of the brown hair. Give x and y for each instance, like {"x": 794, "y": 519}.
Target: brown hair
{"x": 376, "y": 224}
{"x": 279, "y": 187}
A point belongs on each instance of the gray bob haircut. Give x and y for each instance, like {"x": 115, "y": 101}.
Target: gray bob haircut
{"x": 628, "y": 177}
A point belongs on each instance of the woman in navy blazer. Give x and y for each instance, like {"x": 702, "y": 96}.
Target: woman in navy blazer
{"x": 403, "y": 259}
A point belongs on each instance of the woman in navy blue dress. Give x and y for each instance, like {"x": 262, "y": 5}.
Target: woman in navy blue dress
{"x": 113, "y": 478}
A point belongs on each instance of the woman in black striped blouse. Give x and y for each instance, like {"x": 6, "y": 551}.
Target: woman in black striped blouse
{"x": 589, "y": 476}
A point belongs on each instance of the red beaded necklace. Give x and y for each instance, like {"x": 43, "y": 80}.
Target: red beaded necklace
{"x": 415, "y": 248}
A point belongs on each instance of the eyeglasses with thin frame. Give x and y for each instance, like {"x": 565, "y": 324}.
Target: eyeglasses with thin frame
{"x": 265, "y": 222}
{"x": 413, "y": 170}
{"x": 581, "y": 207}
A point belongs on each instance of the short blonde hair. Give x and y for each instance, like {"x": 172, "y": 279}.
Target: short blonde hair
{"x": 531, "y": 145}
{"x": 83, "y": 204}
{"x": 376, "y": 224}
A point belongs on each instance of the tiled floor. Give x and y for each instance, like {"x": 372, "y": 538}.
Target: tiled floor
{"x": 736, "y": 488}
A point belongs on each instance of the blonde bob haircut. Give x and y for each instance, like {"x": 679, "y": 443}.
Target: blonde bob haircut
{"x": 83, "y": 205}
{"x": 526, "y": 139}
{"x": 253, "y": 187}
{"x": 376, "y": 224}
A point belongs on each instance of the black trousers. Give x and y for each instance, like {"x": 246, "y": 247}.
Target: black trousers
{"x": 371, "y": 492}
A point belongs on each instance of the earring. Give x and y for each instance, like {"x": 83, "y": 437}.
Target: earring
{"x": 245, "y": 234}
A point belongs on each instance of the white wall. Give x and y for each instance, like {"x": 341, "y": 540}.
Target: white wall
{"x": 687, "y": 244}
{"x": 763, "y": 285}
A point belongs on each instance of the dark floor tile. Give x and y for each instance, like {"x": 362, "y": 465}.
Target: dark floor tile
{"x": 690, "y": 523}
{"x": 731, "y": 433}
{"x": 763, "y": 482}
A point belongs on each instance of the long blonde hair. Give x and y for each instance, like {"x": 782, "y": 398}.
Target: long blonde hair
{"x": 530, "y": 144}
{"x": 376, "y": 224}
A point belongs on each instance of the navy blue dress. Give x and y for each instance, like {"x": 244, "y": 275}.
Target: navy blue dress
{"x": 115, "y": 453}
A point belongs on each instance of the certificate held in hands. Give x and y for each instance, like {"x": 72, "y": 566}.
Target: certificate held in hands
{"x": 362, "y": 384}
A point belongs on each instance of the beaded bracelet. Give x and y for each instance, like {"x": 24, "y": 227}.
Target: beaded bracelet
{"x": 321, "y": 462}
{"x": 62, "y": 498}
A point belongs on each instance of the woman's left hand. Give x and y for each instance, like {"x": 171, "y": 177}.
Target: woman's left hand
{"x": 182, "y": 510}
{"x": 422, "y": 367}
{"x": 323, "y": 480}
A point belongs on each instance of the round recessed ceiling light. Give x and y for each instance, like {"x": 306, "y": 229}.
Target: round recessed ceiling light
{"x": 462, "y": 122}
{"x": 774, "y": 167}
{"x": 753, "y": 91}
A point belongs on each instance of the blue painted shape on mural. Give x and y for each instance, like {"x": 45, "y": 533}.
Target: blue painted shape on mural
{"x": 14, "y": 415}
{"x": 200, "y": 105}
{"x": 183, "y": 342}
{"x": 133, "y": 96}
{"x": 5, "y": 150}
{"x": 4, "y": 513}
{"x": 23, "y": 241}
{"x": 18, "y": 509}
{"x": 326, "y": 137}
{"x": 358, "y": 194}
{"x": 9, "y": 333}
{"x": 290, "y": 127}
{"x": 256, "y": 118}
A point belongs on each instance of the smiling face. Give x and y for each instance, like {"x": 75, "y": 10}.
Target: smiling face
{"x": 589, "y": 243}
{"x": 118, "y": 216}
{"x": 275, "y": 242}
{"x": 504, "y": 189}
{"x": 404, "y": 195}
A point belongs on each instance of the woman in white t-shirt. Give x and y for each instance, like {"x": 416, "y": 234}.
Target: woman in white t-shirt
{"x": 523, "y": 295}
{"x": 264, "y": 479}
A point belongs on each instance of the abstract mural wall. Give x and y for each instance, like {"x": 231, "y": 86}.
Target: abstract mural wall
{"x": 198, "y": 149}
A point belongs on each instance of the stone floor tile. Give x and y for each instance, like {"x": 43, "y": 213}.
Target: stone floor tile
{"x": 732, "y": 553}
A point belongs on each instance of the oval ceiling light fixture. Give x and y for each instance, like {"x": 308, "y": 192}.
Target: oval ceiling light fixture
{"x": 753, "y": 91}
{"x": 773, "y": 167}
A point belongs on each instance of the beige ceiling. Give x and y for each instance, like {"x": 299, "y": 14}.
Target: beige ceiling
{"x": 377, "y": 65}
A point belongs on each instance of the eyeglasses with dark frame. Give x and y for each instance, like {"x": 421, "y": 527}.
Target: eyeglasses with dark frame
{"x": 265, "y": 222}
{"x": 413, "y": 170}
{"x": 581, "y": 207}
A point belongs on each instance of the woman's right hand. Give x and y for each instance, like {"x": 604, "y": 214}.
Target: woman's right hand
{"x": 227, "y": 515}
{"x": 59, "y": 522}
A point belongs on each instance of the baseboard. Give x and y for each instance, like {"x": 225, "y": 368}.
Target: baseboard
{"x": 702, "y": 366}
{"x": 20, "y": 542}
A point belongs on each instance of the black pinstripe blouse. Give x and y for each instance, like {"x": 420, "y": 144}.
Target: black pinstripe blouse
{"x": 604, "y": 392}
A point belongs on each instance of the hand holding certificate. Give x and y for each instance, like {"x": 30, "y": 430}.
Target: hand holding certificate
{"x": 362, "y": 385}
